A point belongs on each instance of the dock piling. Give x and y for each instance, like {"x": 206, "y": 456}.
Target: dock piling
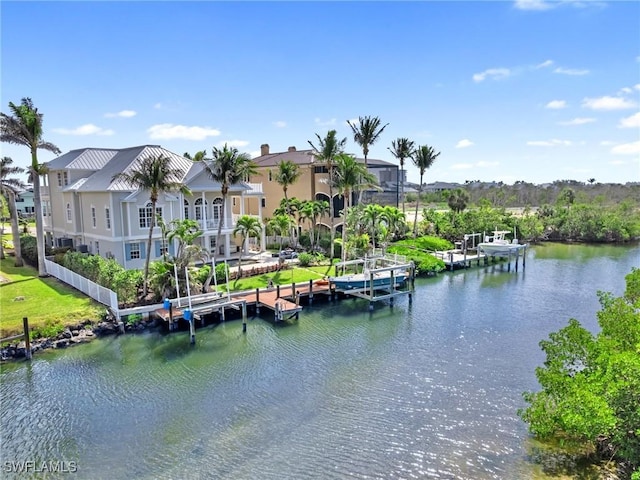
{"x": 27, "y": 340}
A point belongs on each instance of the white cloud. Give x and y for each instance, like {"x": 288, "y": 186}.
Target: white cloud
{"x": 632, "y": 148}
{"x": 637, "y": 86}
{"x": 538, "y": 5}
{"x": 88, "y": 129}
{"x": 608, "y": 103}
{"x": 255, "y": 153}
{"x": 578, "y": 121}
{"x": 607, "y": 143}
{"x": 493, "y": 73}
{"x": 280, "y": 124}
{"x": 545, "y": 64}
{"x": 549, "y": 143}
{"x": 461, "y": 166}
{"x": 630, "y": 122}
{"x": 464, "y": 143}
{"x": 617, "y": 162}
{"x": 233, "y": 143}
{"x": 484, "y": 164}
{"x": 122, "y": 113}
{"x": 571, "y": 71}
{"x": 169, "y": 131}
{"x": 556, "y": 104}
{"x": 325, "y": 123}
{"x": 158, "y": 106}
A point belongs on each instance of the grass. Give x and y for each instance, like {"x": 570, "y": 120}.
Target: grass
{"x": 283, "y": 277}
{"x": 48, "y": 303}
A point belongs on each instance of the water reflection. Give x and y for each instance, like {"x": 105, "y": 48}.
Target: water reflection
{"x": 427, "y": 389}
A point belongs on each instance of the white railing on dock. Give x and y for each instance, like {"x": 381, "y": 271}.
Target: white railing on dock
{"x": 97, "y": 292}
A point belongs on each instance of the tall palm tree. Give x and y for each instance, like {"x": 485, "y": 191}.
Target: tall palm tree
{"x": 395, "y": 220}
{"x": 423, "y": 157}
{"x": 457, "y": 200}
{"x": 365, "y": 133}
{"x": 326, "y": 151}
{"x": 9, "y": 187}
{"x": 153, "y": 174}
{"x": 227, "y": 167}
{"x": 349, "y": 174}
{"x": 24, "y": 127}
{"x": 247, "y": 227}
{"x": 287, "y": 174}
{"x": 402, "y": 148}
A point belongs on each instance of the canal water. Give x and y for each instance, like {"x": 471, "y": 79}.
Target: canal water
{"x": 424, "y": 390}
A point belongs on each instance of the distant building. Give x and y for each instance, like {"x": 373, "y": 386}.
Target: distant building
{"x": 24, "y": 203}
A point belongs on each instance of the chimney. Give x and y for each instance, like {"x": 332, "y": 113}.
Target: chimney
{"x": 264, "y": 149}
{"x": 291, "y": 149}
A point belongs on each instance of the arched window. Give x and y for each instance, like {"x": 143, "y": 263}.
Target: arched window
{"x": 216, "y": 208}
{"x": 186, "y": 209}
{"x": 199, "y": 208}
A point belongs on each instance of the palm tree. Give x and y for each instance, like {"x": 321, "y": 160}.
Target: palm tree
{"x": 423, "y": 157}
{"x": 9, "y": 187}
{"x": 197, "y": 157}
{"x": 227, "y": 167}
{"x": 372, "y": 216}
{"x": 402, "y": 148}
{"x": 349, "y": 174}
{"x": 153, "y": 174}
{"x": 24, "y": 127}
{"x": 457, "y": 200}
{"x": 287, "y": 174}
{"x": 281, "y": 224}
{"x": 247, "y": 227}
{"x": 366, "y": 133}
{"x": 326, "y": 151}
{"x": 395, "y": 220}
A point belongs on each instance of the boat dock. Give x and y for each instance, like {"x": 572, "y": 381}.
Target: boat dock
{"x": 467, "y": 252}
{"x": 369, "y": 285}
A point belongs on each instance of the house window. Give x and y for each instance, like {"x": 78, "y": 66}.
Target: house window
{"x": 162, "y": 248}
{"x": 216, "y": 206}
{"x": 212, "y": 244}
{"x": 97, "y": 247}
{"x": 234, "y": 201}
{"x": 186, "y": 210}
{"x": 270, "y": 176}
{"x": 93, "y": 216}
{"x": 264, "y": 202}
{"x": 69, "y": 212}
{"x": 107, "y": 218}
{"x": 63, "y": 178}
{"x": 134, "y": 251}
{"x": 29, "y": 209}
{"x": 147, "y": 218}
{"x": 199, "y": 208}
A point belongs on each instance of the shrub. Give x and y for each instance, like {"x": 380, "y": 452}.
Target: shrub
{"x": 29, "y": 247}
{"x": 305, "y": 259}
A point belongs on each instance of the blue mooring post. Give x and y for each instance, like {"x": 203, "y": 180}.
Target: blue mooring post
{"x": 167, "y": 306}
{"x": 188, "y": 316}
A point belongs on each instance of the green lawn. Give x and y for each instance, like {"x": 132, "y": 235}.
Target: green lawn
{"x": 283, "y": 277}
{"x": 46, "y": 301}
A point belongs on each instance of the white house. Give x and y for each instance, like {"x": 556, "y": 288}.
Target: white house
{"x": 84, "y": 208}
{"x": 24, "y": 203}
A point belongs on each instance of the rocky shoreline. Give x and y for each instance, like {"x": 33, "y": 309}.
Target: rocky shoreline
{"x": 73, "y": 335}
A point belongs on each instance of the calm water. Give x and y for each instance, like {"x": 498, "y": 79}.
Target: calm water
{"x": 427, "y": 390}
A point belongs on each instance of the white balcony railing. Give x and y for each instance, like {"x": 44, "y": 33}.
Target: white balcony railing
{"x": 255, "y": 188}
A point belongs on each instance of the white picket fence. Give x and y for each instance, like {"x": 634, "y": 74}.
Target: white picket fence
{"x": 101, "y": 294}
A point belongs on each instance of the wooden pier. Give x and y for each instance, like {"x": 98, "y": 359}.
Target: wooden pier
{"x": 467, "y": 252}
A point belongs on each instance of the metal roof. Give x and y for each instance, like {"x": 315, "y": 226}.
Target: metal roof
{"x": 83, "y": 159}
{"x": 306, "y": 157}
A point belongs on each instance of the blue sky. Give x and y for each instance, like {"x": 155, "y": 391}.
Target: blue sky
{"x": 506, "y": 90}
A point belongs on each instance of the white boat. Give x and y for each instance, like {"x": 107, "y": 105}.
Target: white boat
{"x": 498, "y": 244}
{"x": 363, "y": 280}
